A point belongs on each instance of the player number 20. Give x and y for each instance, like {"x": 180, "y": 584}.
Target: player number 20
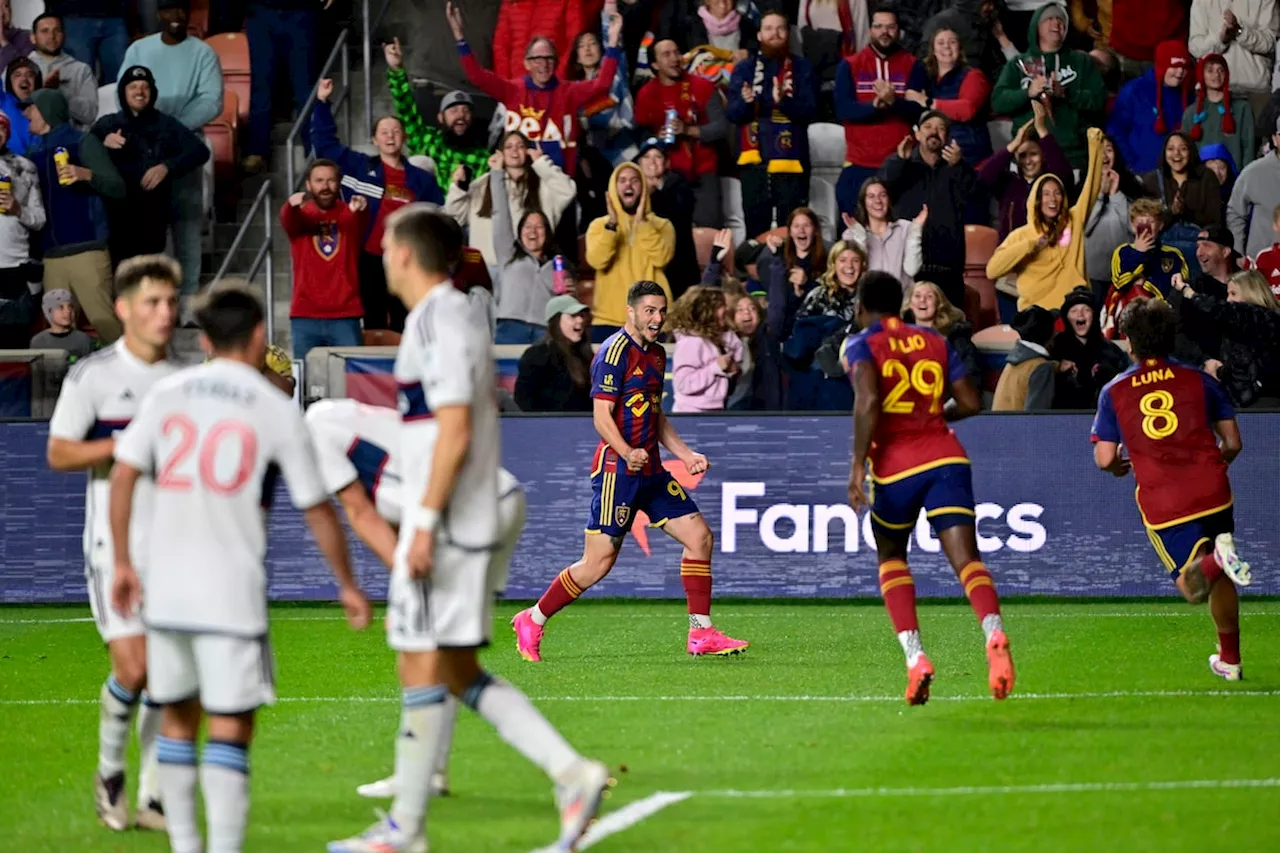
{"x": 925, "y": 377}
{"x": 1158, "y": 418}
{"x": 176, "y": 474}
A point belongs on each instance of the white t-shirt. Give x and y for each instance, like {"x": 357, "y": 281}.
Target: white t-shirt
{"x": 213, "y": 437}
{"x": 99, "y": 397}
{"x": 359, "y": 442}
{"x": 446, "y": 359}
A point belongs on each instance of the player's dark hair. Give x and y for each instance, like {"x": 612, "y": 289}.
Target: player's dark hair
{"x": 644, "y": 288}
{"x": 880, "y": 293}
{"x": 1151, "y": 327}
{"x": 322, "y": 163}
{"x": 131, "y": 273}
{"x": 228, "y": 315}
{"x": 434, "y": 237}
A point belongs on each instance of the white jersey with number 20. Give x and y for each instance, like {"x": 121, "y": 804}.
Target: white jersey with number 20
{"x": 212, "y": 437}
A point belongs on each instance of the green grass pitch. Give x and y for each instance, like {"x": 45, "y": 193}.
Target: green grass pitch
{"x": 1118, "y": 737}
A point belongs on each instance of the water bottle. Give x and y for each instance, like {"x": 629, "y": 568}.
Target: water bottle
{"x": 669, "y": 129}
{"x": 560, "y": 275}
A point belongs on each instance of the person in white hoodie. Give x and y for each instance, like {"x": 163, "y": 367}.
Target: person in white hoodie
{"x": 63, "y": 71}
{"x": 21, "y": 215}
{"x": 1243, "y": 31}
{"x": 1254, "y": 199}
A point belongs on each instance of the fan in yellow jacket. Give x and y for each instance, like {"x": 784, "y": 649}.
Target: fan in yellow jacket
{"x": 1047, "y": 254}
{"x": 628, "y": 245}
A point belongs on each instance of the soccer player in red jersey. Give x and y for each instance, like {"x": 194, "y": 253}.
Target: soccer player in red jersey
{"x": 627, "y": 477}
{"x": 902, "y": 377}
{"x": 1181, "y": 434}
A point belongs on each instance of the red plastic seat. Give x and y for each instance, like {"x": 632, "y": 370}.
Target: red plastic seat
{"x": 233, "y": 55}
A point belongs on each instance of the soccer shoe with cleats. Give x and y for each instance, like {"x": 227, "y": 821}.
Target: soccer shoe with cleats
{"x": 1224, "y": 551}
{"x": 110, "y": 802}
{"x": 383, "y": 837}
{"x": 919, "y": 677}
{"x": 150, "y": 816}
{"x": 1000, "y": 663}
{"x": 578, "y": 795}
{"x": 1225, "y": 671}
{"x": 385, "y": 789}
{"x": 709, "y": 641}
{"x": 528, "y": 636}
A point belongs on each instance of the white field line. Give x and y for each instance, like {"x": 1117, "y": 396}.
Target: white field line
{"x": 624, "y": 818}
{"x": 893, "y": 699}
{"x": 860, "y": 612}
{"x": 989, "y": 790}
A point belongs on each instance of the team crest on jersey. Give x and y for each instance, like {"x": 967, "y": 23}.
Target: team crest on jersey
{"x": 327, "y": 240}
{"x": 1166, "y": 265}
{"x": 622, "y": 513}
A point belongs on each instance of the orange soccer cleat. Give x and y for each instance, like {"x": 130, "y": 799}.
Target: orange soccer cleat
{"x": 919, "y": 677}
{"x": 1001, "y": 664}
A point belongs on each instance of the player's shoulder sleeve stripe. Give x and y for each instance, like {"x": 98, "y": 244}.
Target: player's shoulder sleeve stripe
{"x": 616, "y": 349}
{"x": 100, "y": 359}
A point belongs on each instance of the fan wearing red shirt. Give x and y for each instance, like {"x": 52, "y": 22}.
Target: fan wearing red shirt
{"x": 324, "y": 241}
{"x": 699, "y": 126}
{"x": 1181, "y": 434}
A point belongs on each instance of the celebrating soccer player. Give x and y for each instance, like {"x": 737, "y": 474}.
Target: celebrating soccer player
{"x": 1181, "y": 434}
{"x": 627, "y": 477}
{"x": 359, "y": 447}
{"x": 440, "y": 601}
{"x": 99, "y": 397}
{"x": 211, "y": 438}
{"x": 902, "y": 377}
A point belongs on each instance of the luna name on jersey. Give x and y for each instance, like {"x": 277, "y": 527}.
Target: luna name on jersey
{"x": 1151, "y": 377}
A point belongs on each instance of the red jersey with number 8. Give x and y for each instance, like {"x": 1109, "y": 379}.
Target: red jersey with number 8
{"x": 914, "y": 367}
{"x": 1163, "y": 412}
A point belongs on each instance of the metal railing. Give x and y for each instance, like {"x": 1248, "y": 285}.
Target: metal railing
{"x": 263, "y": 256}
{"x": 341, "y": 104}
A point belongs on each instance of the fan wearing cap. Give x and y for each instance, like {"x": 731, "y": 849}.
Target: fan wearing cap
{"x": 1214, "y": 118}
{"x": 453, "y": 141}
{"x": 60, "y": 312}
{"x": 1198, "y": 339}
{"x": 21, "y": 80}
{"x": 1027, "y": 381}
{"x": 1088, "y": 360}
{"x": 672, "y": 198}
{"x": 555, "y": 373}
{"x": 1152, "y": 105}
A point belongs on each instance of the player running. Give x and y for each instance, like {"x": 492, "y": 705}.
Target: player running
{"x": 902, "y": 377}
{"x": 440, "y": 600}
{"x": 99, "y": 397}
{"x": 1181, "y": 434}
{"x": 210, "y": 437}
{"x": 359, "y": 447}
{"x": 627, "y": 477}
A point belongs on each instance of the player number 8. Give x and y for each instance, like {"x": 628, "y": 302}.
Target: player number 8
{"x": 1158, "y": 421}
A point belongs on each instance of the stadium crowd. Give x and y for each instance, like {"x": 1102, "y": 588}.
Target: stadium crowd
{"x": 670, "y": 140}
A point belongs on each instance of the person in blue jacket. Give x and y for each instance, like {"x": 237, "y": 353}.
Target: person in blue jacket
{"x": 389, "y": 181}
{"x": 21, "y": 80}
{"x": 1139, "y": 122}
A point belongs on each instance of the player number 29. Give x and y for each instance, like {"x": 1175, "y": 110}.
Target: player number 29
{"x": 1158, "y": 418}
{"x": 176, "y": 474}
{"x": 925, "y": 377}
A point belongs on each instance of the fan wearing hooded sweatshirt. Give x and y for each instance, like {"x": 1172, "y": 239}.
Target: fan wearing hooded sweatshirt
{"x": 151, "y": 150}
{"x": 21, "y": 80}
{"x": 1150, "y": 106}
{"x": 1067, "y": 79}
{"x": 1047, "y": 254}
{"x": 1215, "y": 117}
{"x": 630, "y": 244}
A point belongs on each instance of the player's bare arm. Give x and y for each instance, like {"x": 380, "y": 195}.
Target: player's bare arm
{"x": 866, "y": 414}
{"x": 965, "y": 401}
{"x": 369, "y": 526}
{"x": 64, "y": 454}
{"x": 450, "y": 453}
{"x": 671, "y": 440}
{"x": 324, "y": 525}
{"x": 1229, "y": 439}
{"x": 126, "y": 589}
{"x": 607, "y": 429}
{"x": 1107, "y": 456}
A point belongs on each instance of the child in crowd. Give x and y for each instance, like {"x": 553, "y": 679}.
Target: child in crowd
{"x": 62, "y": 334}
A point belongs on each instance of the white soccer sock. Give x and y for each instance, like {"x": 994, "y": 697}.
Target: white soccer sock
{"x": 538, "y": 617}
{"x": 699, "y": 620}
{"x": 911, "y": 647}
{"x": 224, "y": 777}
{"x": 117, "y": 707}
{"x": 520, "y": 724}
{"x": 149, "y": 716}
{"x": 422, "y": 722}
{"x": 445, "y": 741}
{"x": 990, "y": 624}
{"x": 176, "y": 774}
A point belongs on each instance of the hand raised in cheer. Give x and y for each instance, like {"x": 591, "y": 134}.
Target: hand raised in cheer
{"x": 392, "y": 53}
{"x": 324, "y": 89}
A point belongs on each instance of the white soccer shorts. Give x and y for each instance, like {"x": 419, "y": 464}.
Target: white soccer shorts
{"x": 453, "y": 607}
{"x": 229, "y": 675}
{"x": 99, "y": 573}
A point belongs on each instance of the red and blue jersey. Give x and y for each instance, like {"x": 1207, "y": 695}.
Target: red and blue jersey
{"x": 1163, "y": 413}
{"x": 631, "y": 377}
{"x": 914, "y": 367}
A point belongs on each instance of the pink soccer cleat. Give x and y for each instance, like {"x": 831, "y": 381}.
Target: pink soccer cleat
{"x": 919, "y": 677}
{"x": 1000, "y": 663}
{"x": 709, "y": 641}
{"x": 528, "y": 636}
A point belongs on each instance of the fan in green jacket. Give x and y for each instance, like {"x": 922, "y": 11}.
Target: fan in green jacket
{"x": 450, "y": 145}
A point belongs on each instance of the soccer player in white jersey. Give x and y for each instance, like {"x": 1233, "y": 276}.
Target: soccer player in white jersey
{"x": 358, "y": 447}
{"x": 212, "y": 437}
{"x": 441, "y": 592}
{"x": 99, "y": 397}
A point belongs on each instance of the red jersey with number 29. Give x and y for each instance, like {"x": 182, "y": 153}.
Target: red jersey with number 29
{"x": 631, "y": 377}
{"x": 914, "y": 367}
{"x": 1163, "y": 413}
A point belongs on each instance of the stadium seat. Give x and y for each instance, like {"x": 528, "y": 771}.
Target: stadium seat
{"x": 1000, "y": 337}
{"x": 980, "y": 300}
{"x": 381, "y": 338}
{"x": 422, "y": 161}
{"x": 221, "y": 137}
{"x": 108, "y": 100}
{"x": 233, "y": 55}
{"x": 198, "y": 18}
{"x": 980, "y": 243}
